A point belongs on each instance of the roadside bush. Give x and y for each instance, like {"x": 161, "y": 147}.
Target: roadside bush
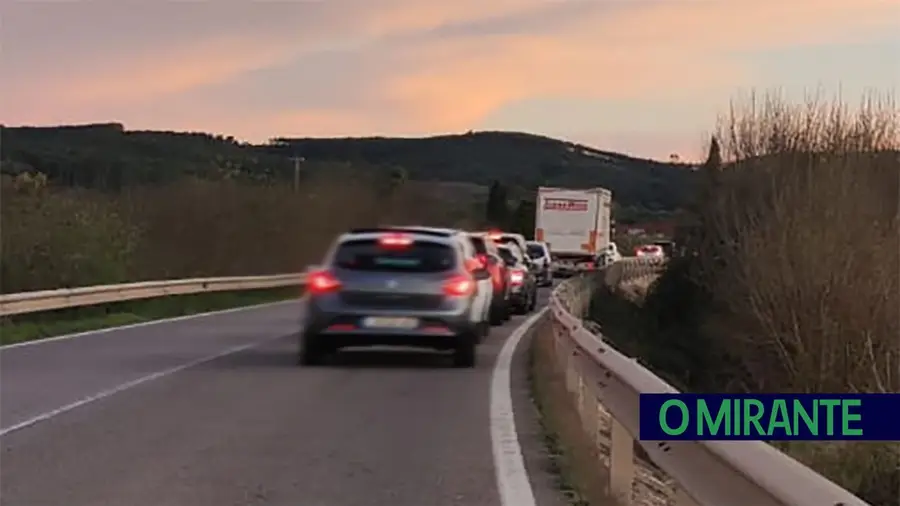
{"x": 54, "y": 237}
{"x": 791, "y": 277}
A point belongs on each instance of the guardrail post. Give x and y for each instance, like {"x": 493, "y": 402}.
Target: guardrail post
{"x": 621, "y": 462}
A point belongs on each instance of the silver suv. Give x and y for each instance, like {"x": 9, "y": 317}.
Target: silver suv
{"x": 397, "y": 287}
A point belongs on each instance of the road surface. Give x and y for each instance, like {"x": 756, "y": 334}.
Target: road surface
{"x": 213, "y": 411}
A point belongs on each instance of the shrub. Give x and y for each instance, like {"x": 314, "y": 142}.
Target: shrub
{"x": 56, "y": 236}
{"x": 791, "y": 277}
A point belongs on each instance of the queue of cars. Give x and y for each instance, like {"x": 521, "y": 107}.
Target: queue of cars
{"x": 424, "y": 287}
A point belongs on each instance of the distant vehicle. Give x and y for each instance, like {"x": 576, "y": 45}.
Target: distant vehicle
{"x": 500, "y": 237}
{"x": 649, "y": 251}
{"x": 611, "y": 255}
{"x": 489, "y": 256}
{"x": 411, "y": 286}
{"x": 521, "y": 279}
{"x": 576, "y": 224}
{"x": 667, "y": 246}
{"x": 539, "y": 253}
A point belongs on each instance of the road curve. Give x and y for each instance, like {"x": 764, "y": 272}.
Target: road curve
{"x": 227, "y": 418}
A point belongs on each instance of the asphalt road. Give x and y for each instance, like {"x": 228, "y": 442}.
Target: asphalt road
{"x": 213, "y": 411}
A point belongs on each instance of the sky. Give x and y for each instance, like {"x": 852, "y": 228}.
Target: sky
{"x": 644, "y": 77}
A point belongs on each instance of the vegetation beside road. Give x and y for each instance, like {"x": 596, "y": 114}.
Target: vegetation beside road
{"x": 790, "y": 281}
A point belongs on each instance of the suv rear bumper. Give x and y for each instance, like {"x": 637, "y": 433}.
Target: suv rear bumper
{"x": 337, "y": 330}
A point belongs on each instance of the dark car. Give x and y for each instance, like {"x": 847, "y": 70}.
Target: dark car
{"x": 400, "y": 288}
{"x": 490, "y": 257}
{"x": 521, "y": 279}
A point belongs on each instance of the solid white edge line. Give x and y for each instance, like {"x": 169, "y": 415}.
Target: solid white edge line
{"x": 133, "y": 383}
{"x": 147, "y": 323}
{"x": 512, "y": 477}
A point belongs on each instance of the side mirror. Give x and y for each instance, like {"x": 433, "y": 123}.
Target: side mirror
{"x": 481, "y": 274}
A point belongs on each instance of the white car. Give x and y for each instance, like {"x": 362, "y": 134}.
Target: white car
{"x": 649, "y": 251}
{"x": 539, "y": 253}
{"x": 609, "y": 256}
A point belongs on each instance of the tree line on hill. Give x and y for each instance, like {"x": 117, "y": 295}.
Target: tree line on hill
{"x": 110, "y": 158}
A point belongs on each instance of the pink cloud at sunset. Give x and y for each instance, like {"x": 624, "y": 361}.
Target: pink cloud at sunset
{"x": 415, "y": 67}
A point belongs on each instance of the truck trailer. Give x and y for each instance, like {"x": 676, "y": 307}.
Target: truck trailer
{"x": 576, "y": 225}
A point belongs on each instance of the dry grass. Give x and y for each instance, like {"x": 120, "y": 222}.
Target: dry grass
{"x": 806, "y": 231}
{"x": 55, "y": 237}
{"x": 795, "y": 282}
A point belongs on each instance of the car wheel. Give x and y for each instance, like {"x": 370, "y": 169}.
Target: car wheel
{"x": 312, "y": 352}
{"x": 521, "y": 309}
{"x": 497, "y": 316}
{"x": 465, "y": 352}
{"x": 533, "y": 301}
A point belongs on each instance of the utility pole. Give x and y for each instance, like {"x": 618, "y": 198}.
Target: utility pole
{"x": 297, "y": 161}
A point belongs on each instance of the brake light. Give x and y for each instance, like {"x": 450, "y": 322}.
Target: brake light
{"x": 459, "y": 286}
{"x": 473, "y": 264}
{"x": 395, "y": 240}
{"x": 483, "y": 259}
{"x": 517, "y": 277}
{"x": 320, "y": 282}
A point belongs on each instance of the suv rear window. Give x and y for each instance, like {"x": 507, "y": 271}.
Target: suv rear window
{"x": 507, "y": 256}
{"x": 420, "y": 256}
{"x": 479, "y": 244}
{"x": 535, "y": 251}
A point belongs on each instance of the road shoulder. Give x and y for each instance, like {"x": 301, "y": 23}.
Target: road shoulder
{"x": 539, "y": 464}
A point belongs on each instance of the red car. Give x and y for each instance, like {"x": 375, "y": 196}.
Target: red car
{"x": 490, "y": 257}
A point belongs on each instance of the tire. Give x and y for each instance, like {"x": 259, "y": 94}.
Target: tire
{"x": 465, "y": 352}
{"x": 497, "y": 316}
{"x": 521, "y": 309}
{"x": 311, "y": 352}
{"x": 533, "y": 301}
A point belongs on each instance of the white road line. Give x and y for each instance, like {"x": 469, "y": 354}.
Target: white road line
{"x": 133, "y": 383}
{"x": 512, "y": 478}
{"x": 107, "y": 330}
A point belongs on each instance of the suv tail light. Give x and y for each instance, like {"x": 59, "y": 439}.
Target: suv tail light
{"x": 459, "y": 286}
{"x": 320, "y": 282}
{"x": 517, "y": 277}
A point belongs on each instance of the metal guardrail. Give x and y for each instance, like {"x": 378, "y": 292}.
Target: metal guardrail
{"x": 607, "y": 385}
{"x": 47, "y": 300}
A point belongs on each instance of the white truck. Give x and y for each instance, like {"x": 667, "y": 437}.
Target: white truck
{"x": 576, "y": 225}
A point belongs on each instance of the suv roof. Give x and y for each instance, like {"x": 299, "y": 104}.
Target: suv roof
{"x": 373, "y": 234}
{"x": 482, "y": 242}
{"x": 440, "y": 232}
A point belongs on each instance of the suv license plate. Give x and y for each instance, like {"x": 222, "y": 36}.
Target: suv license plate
{"x": 388, "y": 322}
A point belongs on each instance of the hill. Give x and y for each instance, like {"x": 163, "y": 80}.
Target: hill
{"x": 109, "y": 156}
